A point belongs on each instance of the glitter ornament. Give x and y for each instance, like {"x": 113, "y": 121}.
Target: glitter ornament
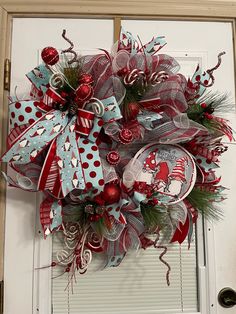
{"x": 111, "y": 193}
{"x": 89, "y": 209}
{"x": 126, "y": 136}
{"x": 113, "y": 158}
{"x": 96, "y": 217}
{"x": 83, "y": 93}
{"x": 132, "y": 110}
{"x": 50, "y": 55}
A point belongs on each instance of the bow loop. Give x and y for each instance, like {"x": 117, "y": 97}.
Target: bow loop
{"x": 85, "y": 121}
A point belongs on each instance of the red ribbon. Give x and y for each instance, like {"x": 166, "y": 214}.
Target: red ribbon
{"x": 84, "y": 121}
{"x": 45, "y": 211}
{"x": 49, "y": 178}
{"x": 50, "y": 97}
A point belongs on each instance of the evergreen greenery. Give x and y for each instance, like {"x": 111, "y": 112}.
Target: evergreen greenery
{"x": 154, "y": 216}
{"x": 205, "y": 201}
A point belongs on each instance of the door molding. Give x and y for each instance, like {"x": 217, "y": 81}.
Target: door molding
{"x": 5, "y": 30}
{"x": 207, "y": 10}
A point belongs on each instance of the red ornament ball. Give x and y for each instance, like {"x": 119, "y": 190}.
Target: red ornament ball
{"x": 126, "y": 136}
{"x": 133, "y": 110}
{"x": 84, "y": 92}
{"x": 111, "y": 193}
{"x": 113, "y": 158}
{"x": 86, "y": 78}
{"x": 204, "y": 105}
{"x": 50, "y": 55}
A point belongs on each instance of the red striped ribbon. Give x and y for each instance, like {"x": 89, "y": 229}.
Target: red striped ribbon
{"x": 84, "y": 121}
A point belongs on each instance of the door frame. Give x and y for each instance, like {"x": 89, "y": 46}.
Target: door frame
{"x": 204, "y": 10}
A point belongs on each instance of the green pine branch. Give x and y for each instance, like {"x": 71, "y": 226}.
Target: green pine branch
{"x": 77, "y": 214}
{"x": 220, "y": 102}
{"x": 134, "y": 93}
{"x": 214, "y": 102}
{"x": 99, "y": 226}
{"x": 154, "y": 216}
{"x": 205, "y": 202}
{"x": 213, "y": 126}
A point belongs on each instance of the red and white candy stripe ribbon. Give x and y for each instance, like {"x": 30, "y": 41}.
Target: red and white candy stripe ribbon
{"x": 84, "y": 121}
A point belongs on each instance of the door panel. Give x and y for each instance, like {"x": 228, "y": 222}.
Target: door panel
{"x": 29, "y": 36}
{"x": 208, "y": 38}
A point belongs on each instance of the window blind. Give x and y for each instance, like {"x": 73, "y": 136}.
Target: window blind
{"x": 138, "y": 285}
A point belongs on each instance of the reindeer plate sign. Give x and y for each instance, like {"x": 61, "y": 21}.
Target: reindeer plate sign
{"x": 169, "y": 169}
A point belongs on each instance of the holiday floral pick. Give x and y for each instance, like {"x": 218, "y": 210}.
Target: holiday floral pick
{"x": 122, "y": 146}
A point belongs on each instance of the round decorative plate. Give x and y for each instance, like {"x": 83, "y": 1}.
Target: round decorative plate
{"x": 169, "y": 169}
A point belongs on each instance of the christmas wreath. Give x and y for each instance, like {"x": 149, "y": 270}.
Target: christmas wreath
{"x": 123, "y": 147}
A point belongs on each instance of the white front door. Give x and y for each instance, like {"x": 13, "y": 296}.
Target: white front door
{"x": 190, "y": 42}
{"x": 206, "y": 40}
{"x": 29, "y": 36}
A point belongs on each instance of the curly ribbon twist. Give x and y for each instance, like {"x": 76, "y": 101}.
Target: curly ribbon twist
{"x": 85, "y": 254}
{"x": 74, "y": 251}
{"x": 57, "y": 80}
{"x": 97, "y": 107}
{"x": 65, "y": 256}
{"x": 163, "y": 261}
{"x": 210, "y": 71}
{"x": 94, "y": 242}
{"x": 70, "y": 49}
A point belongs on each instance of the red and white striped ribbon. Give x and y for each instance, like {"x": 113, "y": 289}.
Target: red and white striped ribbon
{"x": 84, "y": 121}
{"x": 51, "y": 96}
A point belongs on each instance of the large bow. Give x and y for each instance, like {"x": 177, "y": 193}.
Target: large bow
{"x": 65, "y": 147}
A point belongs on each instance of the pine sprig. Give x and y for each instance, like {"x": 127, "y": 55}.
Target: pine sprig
{"x": 134, "y": 93}
{"x": 77, "y": 214}
{"x": 154, "y": 216}
{"x": 72, "y": 73}
{"x": 220, "y": 102}
{"x": 214, "y": 102}
{"x": 195, "y": 112}
{"x": 205, "y": 201}
{"x": 204, "y": 109}
{"x": 213, "y": 126}
{"x": 99, "y": 226}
